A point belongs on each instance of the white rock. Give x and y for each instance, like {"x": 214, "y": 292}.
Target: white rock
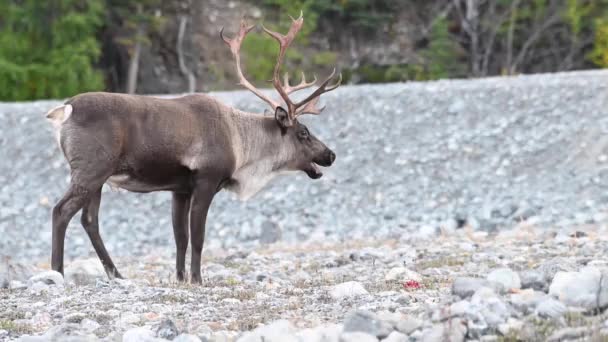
{"x": 187, "y": 338}
{"x": 323, "y": 333}
{"x": 16, "y": 285}
{"x": 139, "y": 335}
{"x": 357, "y": 337}
{"x": 580, "y": 289}
{"x": 277, "y": 331}
{"x": 129, "y": 318}
{"x": 506, "y": 277}
{"x": 89, "y": 325}
{"x": 396, "y": 336}
{"x": 402, "y": 274}
{"x": 491, "y": 307}
{"x": 512, "y": 325}
{"x": 348, "y": 289}
{"x": 84, "y": 271}
{"x": 49, "y": 278}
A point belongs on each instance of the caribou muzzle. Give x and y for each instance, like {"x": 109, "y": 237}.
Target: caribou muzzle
{"x": 325, "y": 159}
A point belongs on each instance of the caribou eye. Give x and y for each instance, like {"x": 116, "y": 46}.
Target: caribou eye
{"x": 303, "y": 134}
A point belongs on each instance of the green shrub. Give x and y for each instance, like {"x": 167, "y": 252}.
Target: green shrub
{"x": 599, "y": 53}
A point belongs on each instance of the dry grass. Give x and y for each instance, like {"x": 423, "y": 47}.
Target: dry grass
{"x": 16, "y": 328}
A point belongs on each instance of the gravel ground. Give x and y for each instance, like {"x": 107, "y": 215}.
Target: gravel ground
{"x": 412, "y": 158}
{"x": 524, "y": 284}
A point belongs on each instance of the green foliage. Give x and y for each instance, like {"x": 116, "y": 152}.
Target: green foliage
{"x": 138, "y": 19}
{"x": 259, "y": 54}
{"x": 324, "y": 58}
{"x": 48, "y": 48}
{"x": 286, "y": 8}
{"x": 363, "y": 15}
{"x": 599, "y": 53}
{"x": 442, "y": 57}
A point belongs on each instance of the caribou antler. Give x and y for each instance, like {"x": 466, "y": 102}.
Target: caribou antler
{"x": 235, "y": 47}
{"x": 306, "y": 106}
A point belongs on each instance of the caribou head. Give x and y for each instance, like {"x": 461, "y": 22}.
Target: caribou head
{"x": 309, "y": 151}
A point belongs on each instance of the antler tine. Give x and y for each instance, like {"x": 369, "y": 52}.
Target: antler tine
{"x": 284, "y": 42}
{"x": 322, "y": 89}
{"x": 303, "y": 84}
{"x": 235, "y": 47}
{"x": 310, "y": 108}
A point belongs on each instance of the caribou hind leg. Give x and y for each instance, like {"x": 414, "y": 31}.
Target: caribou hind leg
{"x": 73, "y": 200}
{"x": 90, "y": 222}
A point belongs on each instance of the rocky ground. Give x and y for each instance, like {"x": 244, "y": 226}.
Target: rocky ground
{"x": 455, "y": 210}
{"x": 523, "y": 284}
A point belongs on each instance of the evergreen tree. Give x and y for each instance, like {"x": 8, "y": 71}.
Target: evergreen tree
{"x": 48, "y": 48}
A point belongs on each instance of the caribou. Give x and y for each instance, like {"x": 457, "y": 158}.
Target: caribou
{"x": 192, "y": 146}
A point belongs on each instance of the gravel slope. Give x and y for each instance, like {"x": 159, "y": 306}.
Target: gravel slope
{"x": 412, "y": 158}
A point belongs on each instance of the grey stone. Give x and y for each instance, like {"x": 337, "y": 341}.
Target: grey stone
{"x": 408, "y": 325}
{"x": 464, "y": 287}
{"x": 451, "y": 331}
{"x": 271, "y": 232}
{"x": 367, "y": 322}
{"x": 533, "y": 279}
{"x": 550, "y": 308}
{"x": 167, "y": 329}
{"x": 527, "y": 300}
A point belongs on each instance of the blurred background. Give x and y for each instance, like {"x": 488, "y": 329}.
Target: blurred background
{"x": 414, "y": 159}
{"x": 58, "y": 48}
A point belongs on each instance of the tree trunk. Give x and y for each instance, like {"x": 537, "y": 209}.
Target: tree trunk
{"x": 180, "y": 55}
{"x": 134, "y": 62}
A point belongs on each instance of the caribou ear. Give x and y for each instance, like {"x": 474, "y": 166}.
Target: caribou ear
{"x": 283, "y": 119}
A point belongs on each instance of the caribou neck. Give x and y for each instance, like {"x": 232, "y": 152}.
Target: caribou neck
{"x": 257, "y": 142}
